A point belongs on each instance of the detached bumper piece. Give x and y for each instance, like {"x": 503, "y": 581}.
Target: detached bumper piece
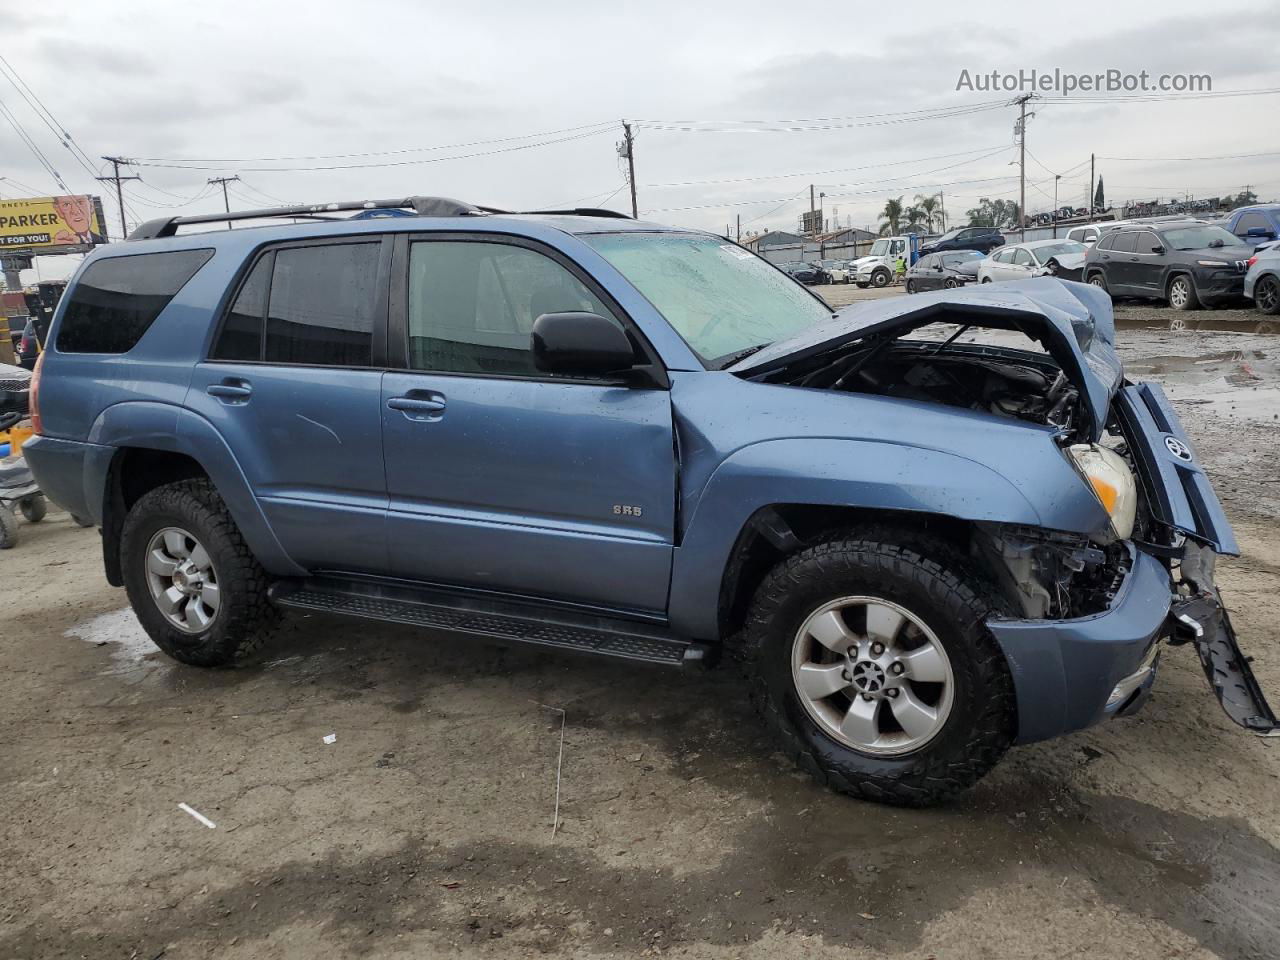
{"x": 1202, "y": 619}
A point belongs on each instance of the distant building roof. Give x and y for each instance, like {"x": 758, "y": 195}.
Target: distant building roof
{"x": 772, "y": 238}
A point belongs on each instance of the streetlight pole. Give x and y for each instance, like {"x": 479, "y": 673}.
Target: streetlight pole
{"x": 1056, "y": 178}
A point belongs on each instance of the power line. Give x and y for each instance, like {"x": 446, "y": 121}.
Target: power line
{"x": 817, "y": 173}
{"x": 1148, "y": 97}
{"x": 379, "y": 153}
{"x": 1225, "y": 156}
{"x": 21, "y": 131}
{"x": 863, "y": 116}
{"x": 364, "y": 166}
{"x": 43, "y": 112}
{"x": 809, "y": 126}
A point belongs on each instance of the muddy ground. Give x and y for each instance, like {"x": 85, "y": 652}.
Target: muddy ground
{"x": 426, "y": 828}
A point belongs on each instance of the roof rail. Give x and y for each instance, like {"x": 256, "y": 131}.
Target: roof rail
{"x": 584, "y": 212}
{"x": 422, "y": 206}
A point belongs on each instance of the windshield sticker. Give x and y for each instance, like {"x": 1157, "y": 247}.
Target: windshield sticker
{"x": 736, "y": 252}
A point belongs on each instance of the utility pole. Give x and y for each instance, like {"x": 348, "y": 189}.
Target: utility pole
{"x": 117, "y": 179}
{"x": 1056, "y": 178}
{"x": 1089, "y": 201}
{"x": 813, "y": 214}
{"x": 629, "y": 151}
{"x": 739, "y": 228}
{"x": 942, "y": 207}
{"x": 223, "y": 181}
{"x": 1022, "y": 164}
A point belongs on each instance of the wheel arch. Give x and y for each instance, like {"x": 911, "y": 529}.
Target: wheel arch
{"x": 156, "y": 444}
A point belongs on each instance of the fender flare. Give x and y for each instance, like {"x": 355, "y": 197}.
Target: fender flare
{"x": 162, "y": 426}
{"x": 823, "y": 472}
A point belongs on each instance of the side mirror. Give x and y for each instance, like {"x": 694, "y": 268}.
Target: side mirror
{"x": 1158, "y": 249}
{"x": 581, "y": 343}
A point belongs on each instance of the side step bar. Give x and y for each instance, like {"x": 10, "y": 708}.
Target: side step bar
{"x": 481, "y": 616}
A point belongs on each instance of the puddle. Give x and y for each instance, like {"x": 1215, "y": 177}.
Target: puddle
{"x": 129, "y": 646}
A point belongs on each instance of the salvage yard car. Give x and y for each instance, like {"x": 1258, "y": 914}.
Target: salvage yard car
{"x": 576, "y": 430}
{"x": 938, "y": 271}
{"x": 1038, "y": 258}
{"x": 1185, "y": 263}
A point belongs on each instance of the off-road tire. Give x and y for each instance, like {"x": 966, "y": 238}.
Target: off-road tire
{"x": 245, "y": 617}
{"x": 34, "y": 507}
{"x": 933, "y": 582}
{"x": 1192, "y": 301}
{"x": 8, "y": 528}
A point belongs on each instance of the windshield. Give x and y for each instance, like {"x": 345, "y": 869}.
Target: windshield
{"x": 719, "y": 297}
{"x": 879, "y": 248}
{"x": 960, "y": 256}
{"x": 1058, "y": 249}
{"x": 1197, "y": 238}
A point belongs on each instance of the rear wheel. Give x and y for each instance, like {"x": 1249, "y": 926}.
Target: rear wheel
{"x": 191, "y": 579}
{"x": 1098, "y": 280}
{"x": 875, "y": 667}
{"x": 911, "y": 286}
{"x": 1266, "y": 295}
{"x": 1182, "y": 293}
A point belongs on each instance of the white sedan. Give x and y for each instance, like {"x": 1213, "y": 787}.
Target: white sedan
{"x": 1039, "y": 258}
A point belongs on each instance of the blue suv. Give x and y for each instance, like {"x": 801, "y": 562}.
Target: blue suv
{"x": 581, "y": 431}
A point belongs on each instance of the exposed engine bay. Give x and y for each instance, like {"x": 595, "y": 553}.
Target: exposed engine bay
{"x": 1006, "y": 382}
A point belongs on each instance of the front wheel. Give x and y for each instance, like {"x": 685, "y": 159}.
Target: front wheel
{"x": 875, "y": 667}
{"x": 863, "y": 286}
{"x": 193, "y": 583}
{"x": 880, "y": 278}
{"x": 1182, "y": 293}
{"x": 950, "y": 283}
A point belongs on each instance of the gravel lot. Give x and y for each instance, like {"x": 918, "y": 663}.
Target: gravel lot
{"x": 426, "y": 829}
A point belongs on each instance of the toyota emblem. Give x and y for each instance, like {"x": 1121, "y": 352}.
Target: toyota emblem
{"x": 1178, "y": 448}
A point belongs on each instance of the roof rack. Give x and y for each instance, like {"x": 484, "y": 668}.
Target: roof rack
{"x": 421, "y": 206}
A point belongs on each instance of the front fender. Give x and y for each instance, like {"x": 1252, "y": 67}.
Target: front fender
{"x": 162, "y": 426}
{"x": 828, "y": 472}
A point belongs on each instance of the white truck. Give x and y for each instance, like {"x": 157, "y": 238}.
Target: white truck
{"x": 877, "y": 268}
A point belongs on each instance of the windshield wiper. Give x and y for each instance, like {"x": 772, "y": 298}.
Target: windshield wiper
{"x": 723, "y": 363}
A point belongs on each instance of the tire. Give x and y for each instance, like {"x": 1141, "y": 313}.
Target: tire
{"x": 863, "y": 286}
{"x": 880, "y": 278}
{"x": 986, "y": 279}
{"x": 1266, "y": 295}
{"x": 1098, "y": 280}
{"x": 950, "y": 283}
{"x": 8, "y": 528}
{"x": 34, "y": 507}
{"x": 243, "y": 617}
{"x": 979, "y": 721}
{"x": 911, "y": 286}
{"x": 1182, "y": 293}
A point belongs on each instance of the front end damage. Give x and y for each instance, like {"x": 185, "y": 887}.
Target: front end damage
{"x": 1090, "y": 608}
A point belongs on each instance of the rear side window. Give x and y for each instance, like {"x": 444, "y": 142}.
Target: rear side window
{"x": 116, "y": 300}
{"x": 1125, "y": 243}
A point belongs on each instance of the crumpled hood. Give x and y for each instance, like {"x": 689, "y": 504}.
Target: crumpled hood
{"x": 1072, "y": 321}
{"x": 1070, "y": 261}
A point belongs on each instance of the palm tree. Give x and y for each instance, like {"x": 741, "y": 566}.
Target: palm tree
{"x": 926, "y": 211}
{"x": 892, "y": 217}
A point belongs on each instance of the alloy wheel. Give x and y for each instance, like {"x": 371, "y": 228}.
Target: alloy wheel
{"x": 182, "y": 580}
{"x": 1267, "y": 295}
{"x": 1179, "y": 293}
{"x": 872, "y": 675}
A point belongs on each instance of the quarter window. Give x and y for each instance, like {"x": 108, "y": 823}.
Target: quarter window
{"x": 241, "y": 336}
{"x": 115, "y": 300}
{"x": 321, "y": 307}
{"x": 472, "y": 305}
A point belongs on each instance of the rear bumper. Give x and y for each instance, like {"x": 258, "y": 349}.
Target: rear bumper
{"x": 71, "y": 473}
{"x": 1065, "y": 671}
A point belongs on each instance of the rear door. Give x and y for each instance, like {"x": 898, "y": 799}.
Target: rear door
{"x": 504, "y": 478}
{"x": 293, "y": 384}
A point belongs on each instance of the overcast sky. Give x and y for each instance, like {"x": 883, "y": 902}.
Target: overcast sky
{"x": 222, "y": 80}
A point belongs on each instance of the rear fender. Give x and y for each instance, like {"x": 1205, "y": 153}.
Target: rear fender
{"x": 827, "y": 472}
{"x": 160, "y": 426}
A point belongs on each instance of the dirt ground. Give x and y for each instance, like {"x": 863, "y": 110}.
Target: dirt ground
{"x": 426, "y": 828}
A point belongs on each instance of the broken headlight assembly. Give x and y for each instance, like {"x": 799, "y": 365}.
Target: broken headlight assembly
{"x": 1112, "y": 482}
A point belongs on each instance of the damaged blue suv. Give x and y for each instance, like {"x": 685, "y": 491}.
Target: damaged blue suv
{"x": 581, "y": 431}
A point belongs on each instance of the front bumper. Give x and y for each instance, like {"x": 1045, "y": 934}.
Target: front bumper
{"x": 1213, "y": 286}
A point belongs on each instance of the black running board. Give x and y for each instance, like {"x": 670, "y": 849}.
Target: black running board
{"x": 490, "y": 618}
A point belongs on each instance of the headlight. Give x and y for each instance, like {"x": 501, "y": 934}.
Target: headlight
{"x": 1109, "y": 477}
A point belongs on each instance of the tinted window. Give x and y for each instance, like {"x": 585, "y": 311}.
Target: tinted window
{"x": 116, "y": 300}
{"x": 321, "y": 305}
{"x": 1106, "y": 242}
{"x": 1124, "y": 242}
{"x": 472, "y": 305}
{"x": 1251, "y": 221}
{"x": 1147, "y": 243}
{"x": 241, "y": 336}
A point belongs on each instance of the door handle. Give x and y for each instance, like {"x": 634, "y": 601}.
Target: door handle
{"x": 230, "y": 391}
{"x": 419, "y": 408}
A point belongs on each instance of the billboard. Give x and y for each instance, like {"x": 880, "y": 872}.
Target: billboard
{"x": 66, "y": 224}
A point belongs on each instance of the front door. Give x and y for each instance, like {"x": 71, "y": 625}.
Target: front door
{"x": 1146, "y": 266}
{"x": 504, "y": 478}
{"x": 291, "y": 386}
